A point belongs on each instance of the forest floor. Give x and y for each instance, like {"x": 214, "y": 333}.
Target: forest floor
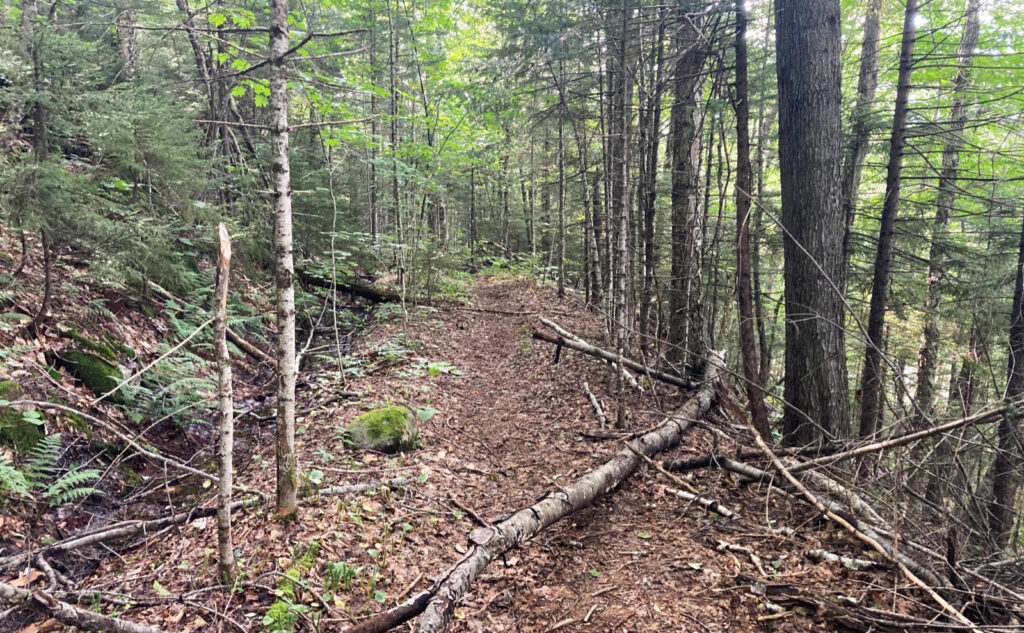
{"x": 502, "y": 425}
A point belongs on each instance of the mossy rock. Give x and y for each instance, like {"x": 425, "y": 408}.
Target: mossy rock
{"x": 16, "y": 430}
{"x": 98, "y": 375}
{"x": 95, "y": 347}
{"x": 388, "y": 429}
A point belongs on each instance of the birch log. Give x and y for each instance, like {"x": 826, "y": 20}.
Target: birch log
{"x": 490, "y": 542}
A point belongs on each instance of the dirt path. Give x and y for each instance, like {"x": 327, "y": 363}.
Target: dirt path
{"x": 503, "y": 429}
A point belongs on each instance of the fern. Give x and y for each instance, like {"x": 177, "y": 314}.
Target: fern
{"x": 35, "y": 479}
{"x": 41, "y": 462}
{"x": 70, "y": 486}
{"x": 12, "y": 479}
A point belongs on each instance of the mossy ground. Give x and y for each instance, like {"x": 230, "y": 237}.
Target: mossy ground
{"x": 280, "y": 615}
{"x": 387, "y": 429}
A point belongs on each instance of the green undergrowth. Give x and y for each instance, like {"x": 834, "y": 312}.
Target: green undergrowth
{"x": 282, "y": 615}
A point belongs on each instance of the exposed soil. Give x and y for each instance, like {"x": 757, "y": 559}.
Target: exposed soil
{"x": 505, "y": 428}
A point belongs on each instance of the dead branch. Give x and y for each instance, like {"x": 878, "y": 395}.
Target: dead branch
{"x": 856, "y": 564}
{"x": 397, "y": 482}
{"x": 598, "y": 411}
{"x": 62, "y": 611}
{"x": 574, "y": 342}
{"x": 117, "y": 531}
{"x": 874, "y": 447}
{"x": 489, "y": 543}
{"x": 863, "y": 534}
{"x": 710, "y": 504}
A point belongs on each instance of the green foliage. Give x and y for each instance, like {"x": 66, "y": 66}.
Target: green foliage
{"x": 282, "y": 615}
{"x": 18, "y": 429}
{"x": 37, "y": 479}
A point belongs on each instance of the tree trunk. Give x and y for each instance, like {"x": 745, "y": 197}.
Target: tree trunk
{"x": 685, "y": 333}
{"x": 744, "y": 184}
{"x": 225, "y": 547}
{"x": 871, "y": 379}
{"x": 809, "y": 71}
{"x": 284, "y": 270}
{"x": 1007, "y": 464}
{"x": 945, "y": 204}
{"x": 650, "y": 137}
{"x": 853, "y": 161}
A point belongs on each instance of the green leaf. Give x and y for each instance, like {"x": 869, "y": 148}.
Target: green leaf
{"x": 160, "y": 588}
{"x": 644, "y": 535}
{"x": 426, "y": 413}
{"x": 217, "y": 19}
{"x": 594, "y": 573}
{"x": 380, "y": 595}
{"x": 238, "y": 91}
{"x": 421, "y": 477}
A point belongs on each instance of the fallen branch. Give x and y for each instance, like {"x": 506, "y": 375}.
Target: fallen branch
{"x": 68, "y": 614}
{"x": 605, "y": 355}
{"x": 865, "y": 535}
{"x": 489, "y": 543}
{"x": 242, "y": 344}
{"x": 166, "y": 461}
{"x": 856, "y": 564}
{"x": 710, "y": 504}
{"x": 397, "y": 482}
{"x": 598, "y": 411}
{"x": 875, "y": 447}
{"x": 117, "y": 531}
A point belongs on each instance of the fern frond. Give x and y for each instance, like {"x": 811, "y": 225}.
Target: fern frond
{"x": 70, "y": 486}
{"x": 12, "y": 479}
{"x": 41, "y": 462}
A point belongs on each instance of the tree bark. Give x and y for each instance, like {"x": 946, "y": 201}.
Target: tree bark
{"x": 809, "y": 71}
{"x": 685, "y": 329}
{"x": 871, "y": 378}
{"x": 491, "y": 542}
{"x": 1007, "y": 464}
{"x": 225, "y": 405}
{"x": 744, "y": 184}
{"x": 287, "y": 469}
{"x": 945, "y": 206}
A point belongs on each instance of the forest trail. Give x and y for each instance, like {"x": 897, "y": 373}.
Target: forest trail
{"x": 507, "y": 430}
{"x": 502, "y": 425}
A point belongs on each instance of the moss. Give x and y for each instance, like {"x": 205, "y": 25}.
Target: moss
{"x": 93, "y": 346}
{"x": 96, "y": 374}
{"x": 79, "y": 423}
{"x": 15, "y": 429}
{"x": 123, "y": 349}
{"x": 280, "y": 615}
{"x": 388, "y": 429}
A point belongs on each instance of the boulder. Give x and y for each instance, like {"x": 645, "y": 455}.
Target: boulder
{"x": 98, "y": 375}
{"x": 388, "y": 429}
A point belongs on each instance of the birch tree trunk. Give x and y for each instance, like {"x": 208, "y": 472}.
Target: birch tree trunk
{"x": 853, "y": 163}
{"x": 226, "y": 426}
{"x": 871, "y": 378}
{"x": 284, "y": 271}
{"x": 944, "y": 209}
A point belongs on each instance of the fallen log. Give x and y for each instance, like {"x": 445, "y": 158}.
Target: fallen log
{"x": 86, "y": 620}
{"x": 489, "y": 543}
{"x": 357, "y": 290}
{"x": 605, "y": 355}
